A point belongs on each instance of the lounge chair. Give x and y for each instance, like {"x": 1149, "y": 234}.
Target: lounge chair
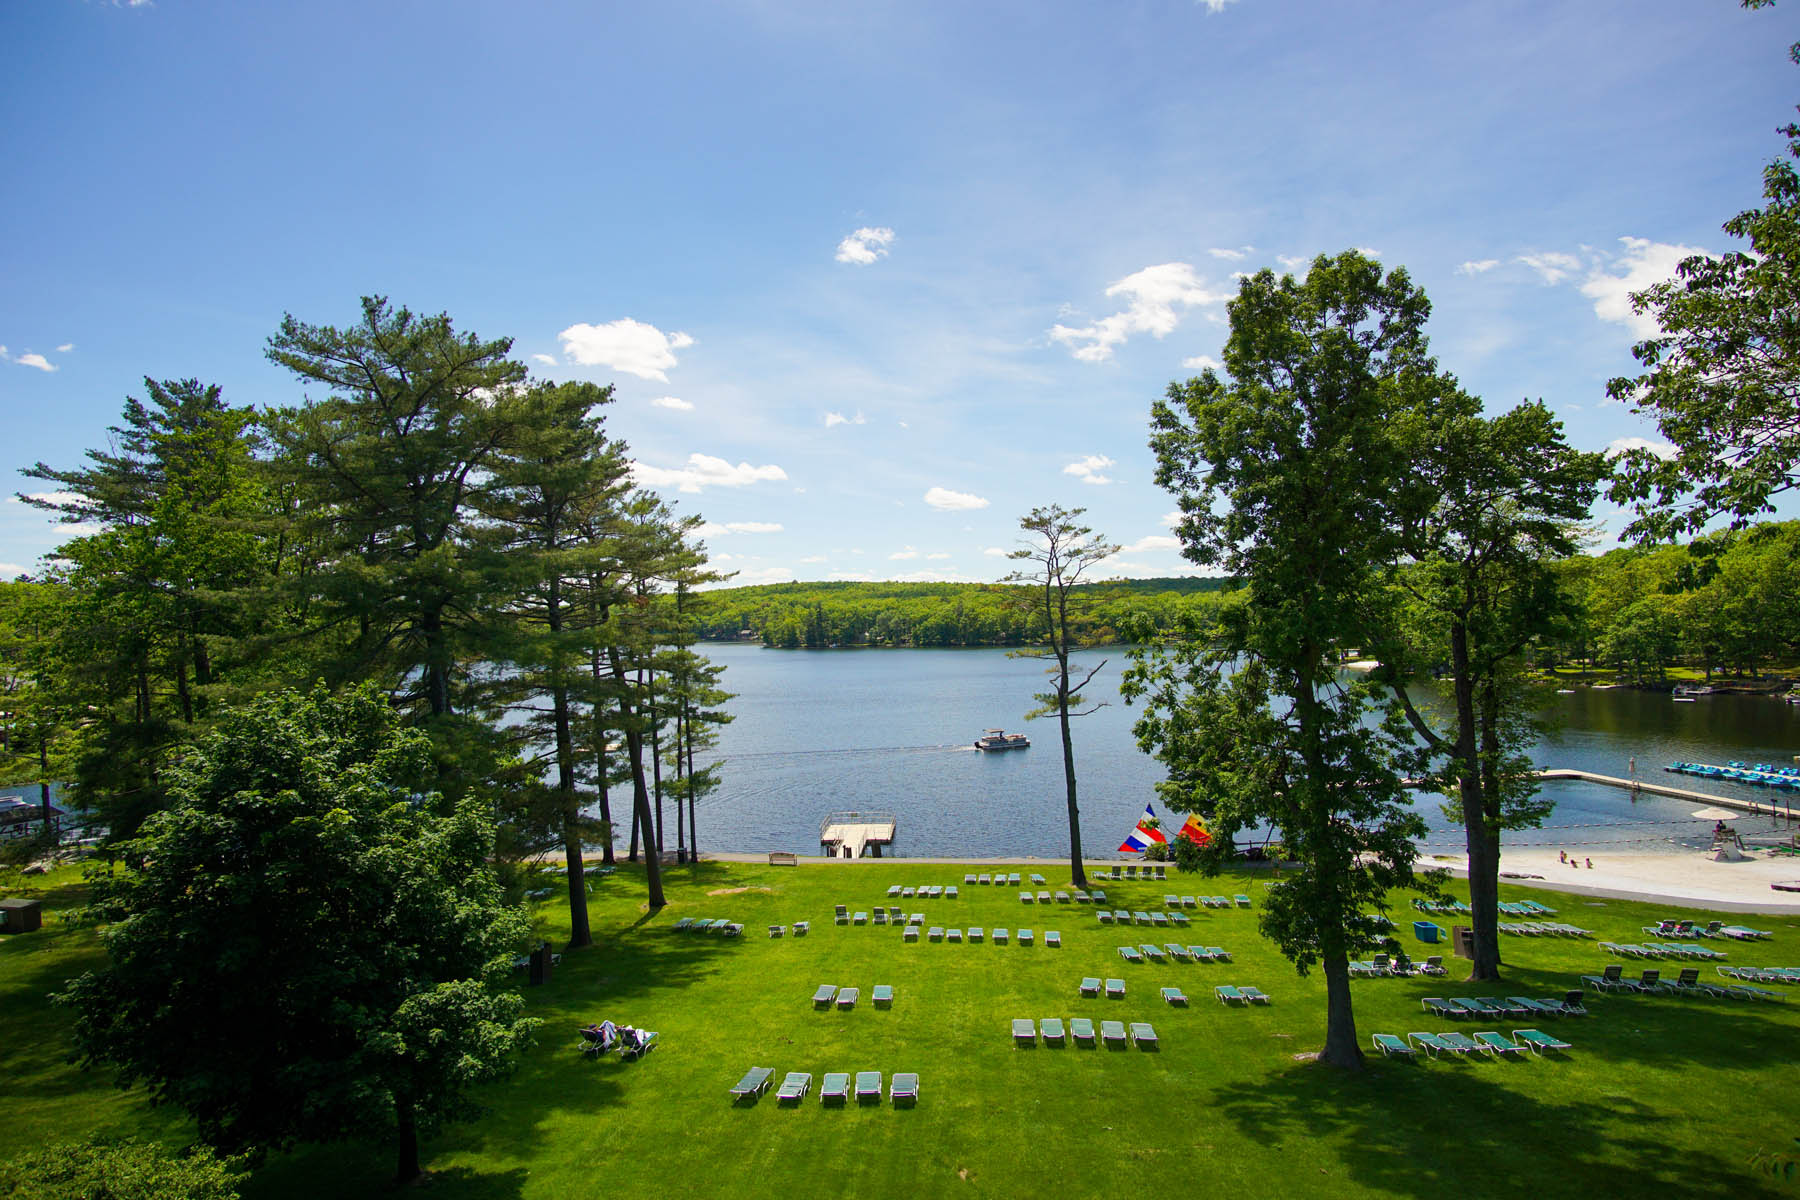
{"x": 1187, "y": 902}
{"x": 1218, "y": 953}
{"x": 1112, "y": 1032}
{"x": 1473, "y": 1006}
{"x": 1459, "y": 1042}
{"x": 1153, "y": 953}
{"x": 1498, "y": 1044}
{"x": 1437, "y": 1006}
{"x": 976, "y": 933}
{"x": 1433, "y": 965}
{"x": 1432, "y": 1042}
{"x": 824, "y": 996}
{"x": 776, "y": 931}
{"x": 1081, "y": 1029}
{"x": 1173, "y": 995}
{"x": 1024, "y": 937}
{"x": 1177, "y": 951}
{"x": 950, "y": 893}
{"x": 1121, "y": 917}
{"x": 916, "y": 919}
{"x": 1243, "y": 901}
{"x": 882, "y": 996}
{"x": 1024, "y": 1031}
{"x": 1572, "y": 1005}
{"x": 1097, "y": 896}
{"x": 1052, "y": 939}
{"x": 1529, "y": 1006}
{"x": 911, "y": 933}
{"x": 1053, "y": 1030}
{"x": 970, "y": 878}
{"x": 1181, "y": 919}
{"x": 861, "y": 918}
{"x": 1142, "y": 1035}
{"x": 1538, "y": 1041}
{"x": 1090, "y": 986}
{"x": 1115, "y": 989}
{"x": 953, "y": 935}
{"x": 754, "y": 1083}
{"x": 1082, "y": 897}
{"x": 936, "y": 934}
{"x": 1200, "y": 953}
{"x": 1013, "y": 879}
{"x": 1106, "y": 917}
{"x": 1390, "y": 1044}
{"x": 1024, "y": 897}
{"x": 904, "y": 1086}
{"x": 1037, "y": 880}
{"x": 794, "y": 1087}
{"x": 868, "y": 1086}
{"x": 1649, "y": 981}
{"x": 1159, "y": 918}
{"x": 1140, "y": 918}
{"x": 846, "y": 998}
{"x": 1062, "y": 897}
{"x": 1043, "y": 897}
{"x": 982, "y": 879}
{"x": 801, "y": 928}
{"x": 1130, "y": 954}
{"x": 1171, "y": 901}
{"x": 843, "y": 914}
{"x": 835, "y": 1086}
{"x": 881, "y": 916}
{"x": 1228, "y": 994}
{"x": 934, "y": 892}
{"x": 1254, "y": 995}
{"x": 1000, "y": 937}
{"x": 895, "y": 890}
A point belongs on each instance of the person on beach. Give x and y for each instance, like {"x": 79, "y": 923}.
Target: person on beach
{"x": 1590, "y": 864}
{"x": 1562, "y": 856}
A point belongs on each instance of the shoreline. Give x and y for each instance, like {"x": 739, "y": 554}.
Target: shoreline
{"x": 1681, "y": 880}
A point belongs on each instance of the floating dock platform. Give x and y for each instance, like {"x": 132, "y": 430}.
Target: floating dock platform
{"x": 856, "y": 834}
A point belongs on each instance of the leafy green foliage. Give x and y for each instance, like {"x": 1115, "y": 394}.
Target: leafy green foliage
{"x": 304, "y": 946}
{"x": 123, "y": 1169}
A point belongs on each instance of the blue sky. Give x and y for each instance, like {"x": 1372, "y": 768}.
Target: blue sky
{"x": 872, "y": 280}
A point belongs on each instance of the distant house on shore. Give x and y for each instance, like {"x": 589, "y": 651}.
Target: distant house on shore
{"x": 21, "y": 818}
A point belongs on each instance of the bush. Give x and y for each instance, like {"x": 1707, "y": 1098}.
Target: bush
{"x": 118, "y": 1170}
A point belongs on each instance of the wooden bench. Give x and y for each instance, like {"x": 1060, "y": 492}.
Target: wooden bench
{"x": 783, "y": 858}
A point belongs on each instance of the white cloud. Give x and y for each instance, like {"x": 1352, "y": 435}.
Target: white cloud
{"x": 900, "y": 555}
{"x": 946, "y": 500}
{"x": 1155, "y": 541}
{"x": 1202, "y": 362}
{"x": 1231, "y": 255}
{"x": 813, "y": 558}
{"x": 11, "y": 570}
{"x": 931, "y": 575}
{"x": 1367, "y": 251}
{"x": 546, "y": 359}
{"x": 1171, "y": 519}
{"x": 624, "y": 345}
{"x": 936, "y": 556}
{"x": 865, "y": 246}
{"x": 1476, "y": 266}
{"x": 1090, "y": 469}
{"x": 703, "y": 471}
{"x": 65, "y": 347}
{"x": 35, "y": 360}
{"x": 46, "y": 497}
{"x": 1553, "y": 265}
{"x": 996, "y": 552}
{"x": 1292, "y": 262}
{"x": 1214, "y": 6}
{"x": 1645, "y": 263}
{"x": 1152, "y": 296}
{"x": 1619, "y": 446}
{"x": 762, "y": 575}
{"x": 838, "y": 418}
{"x": 852, "y": 576}
{"x": 710, "y": 529}
{"x": 673, "y": 403}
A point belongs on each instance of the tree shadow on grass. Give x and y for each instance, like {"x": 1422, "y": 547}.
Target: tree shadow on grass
{"x": 1452, "y": 1129}
{"x": 342, "y": 1173}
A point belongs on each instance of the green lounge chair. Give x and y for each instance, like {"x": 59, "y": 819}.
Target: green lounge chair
{"x": 1390, "y": 1044}
{"x": 1187, "y": 902}
{"x": 881, "y": 916}
{"x": 1498, "y": 1044}
{"x": 1470, "y": 1006}
{"x": 1539, "y": 1041}
{"x": 1043, "y": 897}
{"x": 1254, "y": 995}
{"x": 1037, "y": 880}
{"x": 1112, "y": 1032}
{"x": 1434, "y": 1045}
{"x": 1000, "y": 937}
{"x": 1082, "y": 897}
{"x": 835, "y": 1086}
{"x": 883, "y": 995}
{"x": 753, "y": 1084}
{"x": 1180, "y": 919}
{"x": 1097, "y": 896}
{"x": 1218, "y": 953}
{"x": 907, "y": 893}
{"x": 971, "y": 878}
{"x": 1458, "y": 1042}
{"x": 1159, "y": 918}
{"x": 861, "y": 918}
{"x": 1024, "y": 897}
{"x": 868, "y": 1086}
{"x": 1062, "y": 897}
{"x": 801, "y": 928}
{"x": 1121, "y": 917}
{"x": 982, "y": 879}
{"x": 1090, "y": 986}
{"x": 1243, "y": 901}
{"x": 1173, "y": 995}
{"x": 950, "y": 893}
{"x": 1130, "y": 954}
{"x": 1081, "y": 1029}
{"x": 1140, "y": 918}
{"x": 1115, "y": 989}
{"x": 936, "y": 934}
{"x": 976, "y": 933}
{"x": 683, "y": 925}
{"x": 1437, "y": 1006}
{"x": 1053, "y": 1030}
{"x": 1228, "y": 994}
{"x": 953, "y": 935}
{"x": 1572, "y": 1005}
{"x": 1106, "y": 917}
{"x": 1142, "y": 1035}
{"x": 910, "y": 934}
{"x": 1542, "y": 1008}
{"x": 1153, "y": 953}
{"x": 824, "y": 996}
{"x": 1024, "y": 937}
{"x": 847, "y": 998}
{"x": 1052, "y": 939}
{"x": 843, "y": 914}
{"x": 794, "y": 1087}
{"x": 1013, "y": 879}
{"x": 1024, "y": 1031}
{"x": 1177, "y": 951}
{"x": 904, "y": 1086}
{"x": 1171, "y": 901}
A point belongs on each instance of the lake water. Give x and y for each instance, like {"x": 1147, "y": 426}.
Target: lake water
{"x": 891, "y": 730}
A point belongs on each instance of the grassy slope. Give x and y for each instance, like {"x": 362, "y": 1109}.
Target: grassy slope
{"x": 1660, "y": 1091}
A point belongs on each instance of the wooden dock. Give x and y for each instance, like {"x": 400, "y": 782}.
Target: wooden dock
{"x": 1663, "y": 789}
{"x": 855, "y": 834}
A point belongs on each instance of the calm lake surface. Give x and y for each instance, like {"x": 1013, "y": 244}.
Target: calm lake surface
{"x": 890, "y": 730}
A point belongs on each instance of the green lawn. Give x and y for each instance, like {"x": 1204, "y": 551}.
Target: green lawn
{"x": 1660, "y": 1092}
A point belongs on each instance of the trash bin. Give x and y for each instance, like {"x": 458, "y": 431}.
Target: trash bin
{"x": 541, "y": 961}
{"x": 1465, "y": 941}
{"x": 1428, "y": 931}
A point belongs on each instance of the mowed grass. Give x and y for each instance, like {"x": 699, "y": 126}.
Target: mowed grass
{"x": 1659, "y": 1092}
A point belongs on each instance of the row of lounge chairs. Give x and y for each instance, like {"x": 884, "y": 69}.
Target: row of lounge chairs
{"x": 1243, "y": 995}
{"x": 1672, "y": 927}
{"x": 1025, "y": 937}
{"x": 1146, "y": 951}
{"x": 1491, "y": 1042}
{"x": 718, "y": 925}
{"x": 1688, "y": 983}
{"x": 1120, "y": 916}
{"x": 1130, "y": 871}
{"x": 1514, "y": 1007}
{"x": 800, "y": 929}
{"x": 931, "y": 892}
{"x": 845, "y": 998}
{"x": 1112, "y": 1033}
{"x": 1662, "y": 950}
{"x": 1762, "y": 974}
{"x": 836, "y": 1086}
{"x": 1543, "y": 929}
{"x": 1000, "y": 878}
{"x": 1115, "y": 988}
{"x": 1399, "y": 966}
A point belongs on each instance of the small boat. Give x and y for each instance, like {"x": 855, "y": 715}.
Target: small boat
{"x": 997, "y": 739}
{"x": 1692, "y": 689}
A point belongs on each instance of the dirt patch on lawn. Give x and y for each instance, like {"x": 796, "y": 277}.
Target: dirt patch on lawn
{"x": 735, "y": 891}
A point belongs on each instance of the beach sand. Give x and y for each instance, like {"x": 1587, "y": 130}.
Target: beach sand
{"x": 1691, "y": 879}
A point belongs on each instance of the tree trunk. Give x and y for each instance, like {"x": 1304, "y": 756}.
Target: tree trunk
{"x": 693, "y": 828}
{"x": 601, "y": 785}
{"x": 406, "y": 1138}
{"x": 1341, "y": 1048}
{"x": 1482, "y": 841}
{"x": 640, "y": 792}
{"x": 1077, "y": 872}
{"x": 437, "y": 670}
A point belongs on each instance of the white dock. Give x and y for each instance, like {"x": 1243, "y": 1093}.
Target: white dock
{"x": 856, "y": 834}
